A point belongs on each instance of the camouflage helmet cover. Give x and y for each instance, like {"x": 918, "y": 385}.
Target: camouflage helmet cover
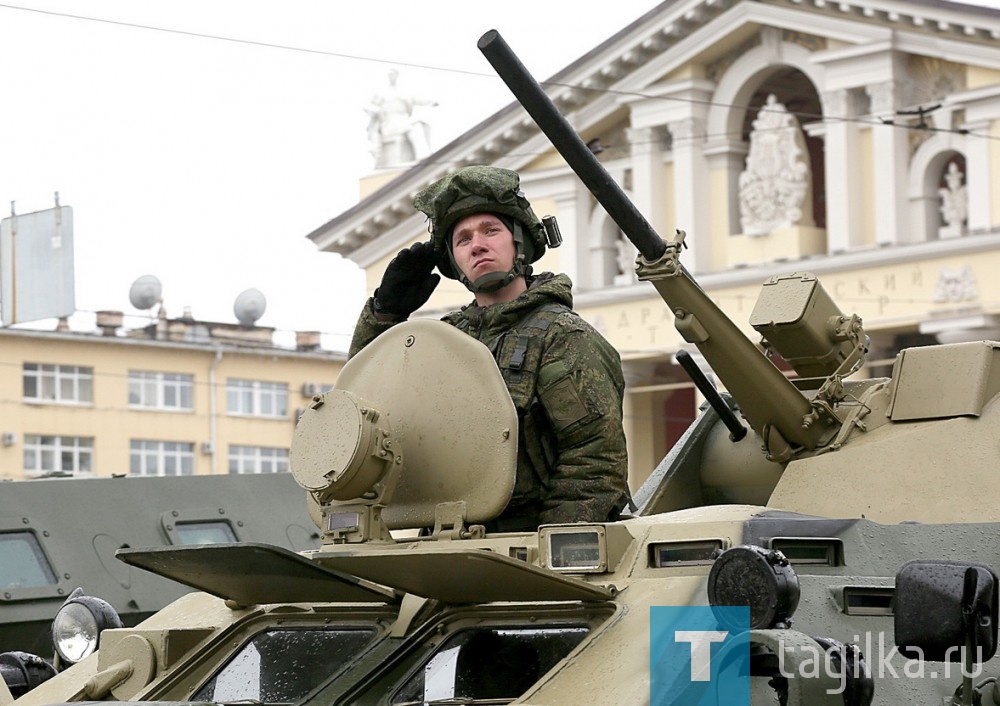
{"x": 479, "y": 189}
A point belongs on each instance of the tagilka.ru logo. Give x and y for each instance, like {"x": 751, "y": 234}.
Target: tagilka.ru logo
{"x": 699, "y": 656}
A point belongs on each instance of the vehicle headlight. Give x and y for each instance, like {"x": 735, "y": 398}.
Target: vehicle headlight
{"x": 77, "y": 627}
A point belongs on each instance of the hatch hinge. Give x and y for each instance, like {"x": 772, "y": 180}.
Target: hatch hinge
{"x": 449, "y": 522}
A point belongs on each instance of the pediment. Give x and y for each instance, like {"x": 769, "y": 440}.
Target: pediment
{"x": 677, "y": 43}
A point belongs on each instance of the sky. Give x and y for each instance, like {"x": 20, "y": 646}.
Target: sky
{"x": 205, "y": 161}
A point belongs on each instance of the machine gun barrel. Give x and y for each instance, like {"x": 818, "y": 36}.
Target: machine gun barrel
{"x": 562, "y": 135}
{"x": 778, "y": 412}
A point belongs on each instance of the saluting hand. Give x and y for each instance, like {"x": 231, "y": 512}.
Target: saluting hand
{"x": 408, "y": 281}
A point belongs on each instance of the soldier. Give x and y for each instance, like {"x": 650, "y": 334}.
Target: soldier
{"x": 565, "y": 379}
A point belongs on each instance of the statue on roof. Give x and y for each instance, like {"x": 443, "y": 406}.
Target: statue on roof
{"x": 396, "y": 132}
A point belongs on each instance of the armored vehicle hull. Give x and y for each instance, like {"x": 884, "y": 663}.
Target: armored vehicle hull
{"x": 61, "y": 534}
{"x": 464, "y": 619}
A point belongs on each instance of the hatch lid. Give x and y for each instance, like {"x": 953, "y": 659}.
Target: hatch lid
{"x": 251, "y": 573}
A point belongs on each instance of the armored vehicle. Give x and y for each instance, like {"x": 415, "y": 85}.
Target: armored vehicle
{"x": 60, "y": 534}
{"x": 852, "y": 520}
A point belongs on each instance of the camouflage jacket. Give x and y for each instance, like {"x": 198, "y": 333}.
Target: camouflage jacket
{"x": 566, "y": 382}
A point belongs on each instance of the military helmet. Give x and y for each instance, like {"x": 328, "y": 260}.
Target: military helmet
{"x": 482, "y": 189}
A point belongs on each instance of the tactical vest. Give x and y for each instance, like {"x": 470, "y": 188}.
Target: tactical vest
{"x": 518, "y": 353}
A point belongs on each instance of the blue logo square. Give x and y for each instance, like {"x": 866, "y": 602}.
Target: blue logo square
{"x": 699, "y": 656}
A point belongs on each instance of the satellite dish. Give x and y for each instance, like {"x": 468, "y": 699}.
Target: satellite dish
{"x": 145, "y": 292}
{"x": 249, "y": 306}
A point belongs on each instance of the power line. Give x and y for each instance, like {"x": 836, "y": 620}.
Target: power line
{"x": 237, "y": 40}
{"x": 873, "y": 121}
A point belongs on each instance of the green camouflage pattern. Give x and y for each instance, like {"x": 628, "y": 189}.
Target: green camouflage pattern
{"x": 473, "y": 190}
{"x": 567, "y": 384}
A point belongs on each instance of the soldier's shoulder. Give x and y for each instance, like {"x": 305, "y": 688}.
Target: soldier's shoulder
{"x": 552, "y": 318}
{"x": 568, "y": 322}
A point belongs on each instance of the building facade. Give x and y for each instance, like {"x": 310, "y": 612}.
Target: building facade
{"x": 858, "y": 140}
{"x": 180, "y": 397}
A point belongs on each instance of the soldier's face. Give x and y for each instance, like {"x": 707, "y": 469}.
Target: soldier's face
{"x": 482, "y": 244}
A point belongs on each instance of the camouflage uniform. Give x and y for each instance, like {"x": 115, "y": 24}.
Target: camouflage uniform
{"x": 567, "y": 385}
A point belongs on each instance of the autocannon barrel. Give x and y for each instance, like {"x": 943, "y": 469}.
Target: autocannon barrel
{"x": 572, "y": 148}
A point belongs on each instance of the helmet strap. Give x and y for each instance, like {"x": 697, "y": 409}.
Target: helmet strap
{"x": 492, "y": 282}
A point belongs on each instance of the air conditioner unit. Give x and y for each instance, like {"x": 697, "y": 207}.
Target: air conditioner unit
{"x": 8, "y": 438}
{"x": 207, "y": 448}
{"x": 311, "y": 389}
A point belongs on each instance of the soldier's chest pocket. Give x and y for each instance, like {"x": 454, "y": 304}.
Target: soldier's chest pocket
{"x": 519, "y": 358}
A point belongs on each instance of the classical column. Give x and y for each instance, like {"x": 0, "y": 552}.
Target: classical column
{"x": 730, "y": 158}
{"x": 977, "y": 178}
{"x": 573, "y": 209}
{"x": 890, "y": 155}
{"x": 649, "y": 190}
{"x": 691, "y": 190}
{"x": 843, "y": 160}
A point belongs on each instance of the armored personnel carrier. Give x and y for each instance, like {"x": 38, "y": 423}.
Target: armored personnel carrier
{"x": 850, "y": 523}
{"x": 60, "y": 534}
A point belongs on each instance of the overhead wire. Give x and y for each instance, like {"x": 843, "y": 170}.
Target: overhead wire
{"x": 235, "y": 40}
{"x": 873, "y": 121}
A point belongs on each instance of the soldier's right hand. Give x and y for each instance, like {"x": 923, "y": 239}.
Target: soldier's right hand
{"x": 408, "y": 281}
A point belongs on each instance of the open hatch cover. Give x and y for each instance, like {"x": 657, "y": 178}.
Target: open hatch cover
{"x": 250, "y": 573}
{"x": 462, "y": 575}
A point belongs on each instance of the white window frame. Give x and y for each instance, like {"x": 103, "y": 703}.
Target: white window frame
{"x": 251, "y": 398}
{"x": 257, "y": 459}
{"x": 153, "y": 388}
{"x": 59, "y": 384}
{"x": 152, "y": 457}
{"x": 48, "y": 453}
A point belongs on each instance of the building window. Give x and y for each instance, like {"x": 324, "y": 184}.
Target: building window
{"x": 161, "y": 458}
{"x": 257, "y": 459}
{"x": 164, "y": 391}
{"x": 257, "y": 399}
{"x": 63, "y": 384}
{"x": 47, "y": 454}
